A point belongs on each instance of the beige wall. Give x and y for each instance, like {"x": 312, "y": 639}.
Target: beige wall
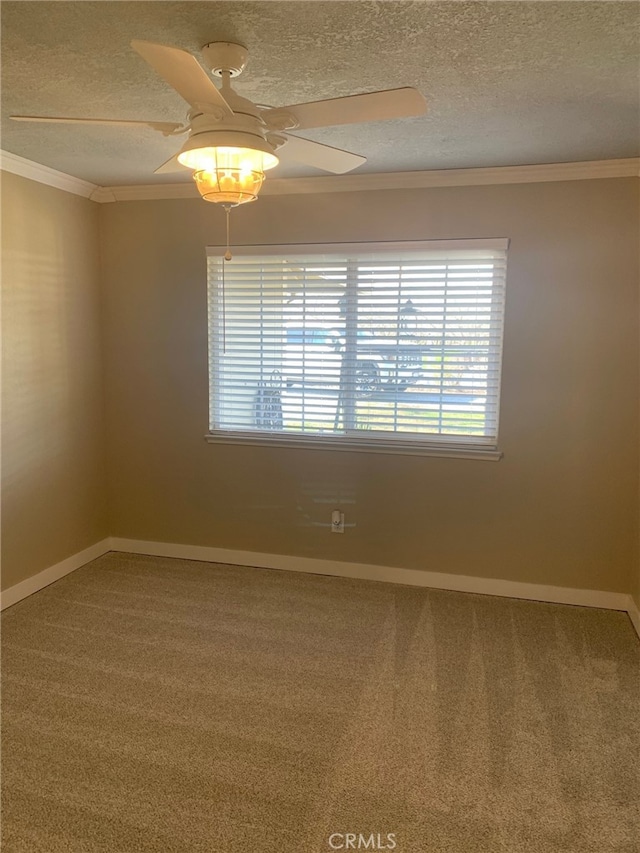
{"x": 53, "y": 495}
{"x": 560, "y": 508}
{"x": 635, "y": 584}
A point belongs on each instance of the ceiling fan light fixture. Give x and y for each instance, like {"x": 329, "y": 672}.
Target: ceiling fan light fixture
{"x": 228, "y": 186}
{"x": 228, "y": 166}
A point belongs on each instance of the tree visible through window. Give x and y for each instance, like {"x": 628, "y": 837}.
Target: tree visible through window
{"x": 384, "y": 343}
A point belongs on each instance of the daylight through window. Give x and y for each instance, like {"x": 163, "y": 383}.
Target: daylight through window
{"x": 372, "y": 345}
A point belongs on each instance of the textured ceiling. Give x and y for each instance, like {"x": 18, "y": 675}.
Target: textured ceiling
{"x": 507, "y": 83}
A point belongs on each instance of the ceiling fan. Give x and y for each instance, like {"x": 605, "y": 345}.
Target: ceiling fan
{"x": 232, "y": 141}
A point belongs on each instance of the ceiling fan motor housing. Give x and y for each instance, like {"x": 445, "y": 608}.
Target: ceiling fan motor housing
{"x": 241, "y": 131}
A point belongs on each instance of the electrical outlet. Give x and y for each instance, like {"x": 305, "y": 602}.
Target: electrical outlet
{"x": 337, "y": 521}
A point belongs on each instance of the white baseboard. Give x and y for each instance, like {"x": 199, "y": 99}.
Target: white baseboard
{"x": 365, "y": 571}
{"x": 27, "y": 587}
{"x": 362, "y": 571}
{"x": 634, "y": 615}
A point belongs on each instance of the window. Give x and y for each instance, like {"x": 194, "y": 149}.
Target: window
{"x": 362, "y": 346}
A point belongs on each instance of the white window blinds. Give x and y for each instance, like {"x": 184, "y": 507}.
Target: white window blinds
{"x": 378, "y": 343}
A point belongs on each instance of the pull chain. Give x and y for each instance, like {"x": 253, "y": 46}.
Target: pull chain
{"x": 227, "y": 257}
{"x": 227, "y": 254}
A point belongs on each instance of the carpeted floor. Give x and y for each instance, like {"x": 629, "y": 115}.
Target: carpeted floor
{"x": 163, "y": 705}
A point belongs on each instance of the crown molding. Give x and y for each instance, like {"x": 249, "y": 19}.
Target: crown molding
{"x": 150, "y": 192}
{"x": 458, "y": 177}
{"x": 45, "y": 175}
{"x": 581, "y": 171}
{"x": 588, "y": 170}
{"x": 103, "y": 195}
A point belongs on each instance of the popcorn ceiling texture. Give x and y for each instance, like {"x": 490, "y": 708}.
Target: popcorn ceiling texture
{"x": 168, "y": 706}
{"x": 506, "y": 83}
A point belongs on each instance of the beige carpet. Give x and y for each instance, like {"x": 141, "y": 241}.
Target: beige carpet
{"x": 163, "y": 705}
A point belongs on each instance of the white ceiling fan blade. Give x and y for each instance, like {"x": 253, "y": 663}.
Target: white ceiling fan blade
{"x": 171, "y": 165}
{"x": 321, "y": 156}
{"x": 165, "y": 127}
{"x": 375, "y": 106}
{"x": 182, "y": 71}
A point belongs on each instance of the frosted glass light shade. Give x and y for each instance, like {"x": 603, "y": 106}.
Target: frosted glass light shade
{"x": 226, "y": 186}
{"x": 228, "y": 175}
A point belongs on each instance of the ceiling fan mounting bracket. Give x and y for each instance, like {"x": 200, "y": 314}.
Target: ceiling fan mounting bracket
{"x": 282, "y": 120}
{"x": 177, "y": 131}
{"x": 275, "y": 140}
{"x": 221, "y": 56}
{"x": 212, "y": 112}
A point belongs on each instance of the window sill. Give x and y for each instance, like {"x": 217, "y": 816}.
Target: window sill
{"x": 355, "y": 445}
